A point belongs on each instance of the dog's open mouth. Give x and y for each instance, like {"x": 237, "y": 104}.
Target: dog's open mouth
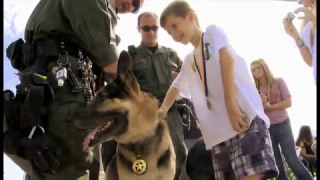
{"x": 95, "y": 134}
{"x": 113, "y": 124}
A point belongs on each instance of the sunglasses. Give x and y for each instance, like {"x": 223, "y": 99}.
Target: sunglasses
{"x": 149, "y": 28}
{"x": 136, "y": 5}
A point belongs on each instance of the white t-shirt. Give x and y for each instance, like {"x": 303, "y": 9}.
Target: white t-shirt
{"x": 305, "y": 36}
{"x": 215, "y": 124}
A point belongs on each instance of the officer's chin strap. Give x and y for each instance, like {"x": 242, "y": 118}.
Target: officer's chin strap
{"x": 34, "y": 129}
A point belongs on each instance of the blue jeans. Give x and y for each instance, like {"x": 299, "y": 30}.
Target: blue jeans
{"x": 281, "y": 134}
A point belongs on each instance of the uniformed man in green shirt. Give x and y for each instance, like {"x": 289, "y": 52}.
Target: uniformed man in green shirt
{"x": 68, "y": 43}
{"x": 155, "y": 68}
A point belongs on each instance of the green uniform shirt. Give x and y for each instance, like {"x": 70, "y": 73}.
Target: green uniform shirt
{"x": 153, "y": 70}
{"x": 88, "y": 23}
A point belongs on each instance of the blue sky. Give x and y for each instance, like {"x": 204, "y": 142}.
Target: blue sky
{"x": 254, "y": 28}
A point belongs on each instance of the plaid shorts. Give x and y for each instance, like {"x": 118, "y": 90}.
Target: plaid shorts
{"x": 245, "y": 154}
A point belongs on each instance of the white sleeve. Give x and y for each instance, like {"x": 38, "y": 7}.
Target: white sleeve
{"x": 181, "y": 82}
{"x": 218, "y": 38}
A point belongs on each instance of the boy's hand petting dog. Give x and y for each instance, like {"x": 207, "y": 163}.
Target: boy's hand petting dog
{"x": 237, "y": 118}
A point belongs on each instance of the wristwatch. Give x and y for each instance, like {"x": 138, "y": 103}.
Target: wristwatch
{"x": 300, "y": 43}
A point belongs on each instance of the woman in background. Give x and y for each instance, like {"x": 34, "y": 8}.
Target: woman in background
{"x": 314, "y": 146}
{"x": 276, "y": 99}
{"x": 305, "y": 141}
{"x": 306, "y": 40}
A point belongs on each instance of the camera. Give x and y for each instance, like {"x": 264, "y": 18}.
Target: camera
{"x": 289, "y": 17}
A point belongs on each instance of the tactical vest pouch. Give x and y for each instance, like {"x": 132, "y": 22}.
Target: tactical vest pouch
{"x": 38, "y": 94}
{"x": 15, "y": 55}
{"x": 48, "y": 48}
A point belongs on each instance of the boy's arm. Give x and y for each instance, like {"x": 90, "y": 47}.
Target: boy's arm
{"x": 226, "y": 60}
{"x": 227, "y": 75}
{"x": 221, "y": 44}
{"x": 170, "y": 98}
{"x": 180, "y": 84}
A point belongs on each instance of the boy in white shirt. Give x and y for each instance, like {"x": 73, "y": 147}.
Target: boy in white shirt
{"x": 227, "y": 104}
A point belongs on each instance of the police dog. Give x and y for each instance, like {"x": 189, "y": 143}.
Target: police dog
{"x": 123, "y": 113}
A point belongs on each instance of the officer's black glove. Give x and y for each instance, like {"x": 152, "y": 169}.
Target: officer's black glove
{"x": 41, "y": 151}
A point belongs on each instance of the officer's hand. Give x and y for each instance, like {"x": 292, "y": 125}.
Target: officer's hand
{"x": 111, "y": 70}
{"x": 42, "y": 152}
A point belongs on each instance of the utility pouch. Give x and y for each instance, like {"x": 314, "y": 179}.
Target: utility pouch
{"x": 51, "y": 48}
{"x": 30, "y": 114}
{"x": 14, "y": 53}
{"x": 38, "y": 94}
{"x": 28, "y": 54}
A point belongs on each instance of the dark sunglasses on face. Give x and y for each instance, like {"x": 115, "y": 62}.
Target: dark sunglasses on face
{"x": 149, "y": 28}
{"x": 136, "y": 5}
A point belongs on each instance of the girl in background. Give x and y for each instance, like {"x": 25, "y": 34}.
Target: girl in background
{"x": 306, "y": 40}
{"x": 305, "y": 141}
{"x": 276, "y": 99}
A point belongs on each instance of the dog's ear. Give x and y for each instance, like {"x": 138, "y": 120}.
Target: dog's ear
{"x": 124, "y": 63}
{"x": 125, "y": 74}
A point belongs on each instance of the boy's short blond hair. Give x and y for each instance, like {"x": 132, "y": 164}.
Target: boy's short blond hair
{"x": 179, "y": 8}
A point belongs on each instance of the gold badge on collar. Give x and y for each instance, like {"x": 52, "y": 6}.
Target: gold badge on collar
{"x": 139, "y": 166}
{"x": 193, "y": 66}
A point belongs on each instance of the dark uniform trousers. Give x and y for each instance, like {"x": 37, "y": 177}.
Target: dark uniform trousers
{"x": 176, "y": 132}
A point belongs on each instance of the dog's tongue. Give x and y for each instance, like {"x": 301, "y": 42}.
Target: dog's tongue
{"x": 90, "y": 136}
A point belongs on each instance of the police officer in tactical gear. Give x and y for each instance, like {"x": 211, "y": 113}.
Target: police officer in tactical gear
{"x": 69, "y": 50}
{"x": 154, "y": 67}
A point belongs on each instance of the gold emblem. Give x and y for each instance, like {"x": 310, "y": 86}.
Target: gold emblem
{"x": 139, "y": 166}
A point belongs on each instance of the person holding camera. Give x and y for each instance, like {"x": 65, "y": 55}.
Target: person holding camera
{"x": 306, "y": 40}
